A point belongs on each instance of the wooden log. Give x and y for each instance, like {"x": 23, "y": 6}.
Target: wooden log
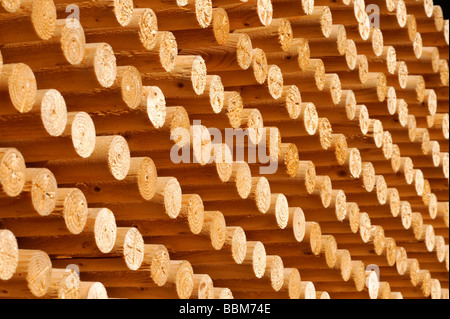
{"x": 32, "y": 21}
{"x": 97, "y": 70}
{"x": 14, "y": 78}
{"x": 39, "y": 195}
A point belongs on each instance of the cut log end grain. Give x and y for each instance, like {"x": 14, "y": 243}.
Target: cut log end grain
{"x": 372, "y": 284}
{"x": 432, "y": 205}
{"x": 354, "y": 162}
{"x": 406, "y": 214}
{"x": 417, "y": 44}
{"x": 243, "y": 179}
{"x": 244, "y": 49}
{"x": 313, "y": 236}
{"x": 155, "y": 102}
{"x": 203, "y": 287}
{"x": 43, "y": 18}
{"x": 20, "y": 83}
{"x": 168, "y": 50}
{"x": 146, "y": 176}
{"x": 12, "y": 171}
{"x": 368, "y": 176}
{"x": 9, "y": 254}
{"x": 365, "y": 226}
{"x": 11, "y": 5}
{"x": 256, "y": 255}
{"x": 83, "y": 134}
{"x": 275, "y": 81}
{"x": 201, "y": 143}
{"x": 402, "y": 71}
{"x": 215, "y": 89}
{"x": 289, "y": 155}
{"x": 192, "y": 208}
{"x": 440, "y": 248}
{"x": 387, "y": 144}
{"x": 221, "y": 25}
{"x": 275, "y": 271}
{"x": 181, "y": 275}
{"x": 222, "y": 293}
{"x": 351, "y": 54}
{"x": 391, "y": 251}
{"x": 339, "y": 142}
{"x": 419, "y": 182}
{"x": 307, "y": 290}
{"x": 401, "y": 14}
{"x": 324, "y": 188}
{"x": 377, "y": 42}
{"x": 358, "y": 275}
{"x": 43, "y": 188}
{"x": 234, "y": 105}
{"x": 104, "y": 228}
{"x": 156, "y": 258}
{"x": 73, "y": 41}
{"x": 279, "y": 206}
{"x": 123, "y": 10}
{"x": 310, "y": 118}
{"x": 92, "y": 290}
{"x": 436, "y": 289}
{"x": 344, "y": 263}
{"x": 354, "y": 217}
{"x": 72, "y": 204}
{"x": 65, "y": 284}
{"x": 259, "y": 65}
{"x": 53, "y": 111}
{"x": 329, "y": 247}
{"x": 297, "y": 218}
{"x": 223, "y": 161}
{"x": 261, "y": 193}
{"x": 133, "y": 249}
{"x": 265, "y": 12}
{"x": 393, "y": 197}
{"x": 198, "y": 75}
{"x": 148, "y": 29}
{"x": 236, "y": 238}
{"x": 364, "y": 28}
{"x": 131, "y": 86}
{"x": 168, "y": 191}
{"x": 216, "y": 227}
{"x": 118, "y": 157}
{"x": 36, "y": 267}
{"x": 104, "y": 63}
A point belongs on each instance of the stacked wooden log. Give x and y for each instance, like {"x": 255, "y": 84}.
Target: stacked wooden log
{"x": 110, "y": 186}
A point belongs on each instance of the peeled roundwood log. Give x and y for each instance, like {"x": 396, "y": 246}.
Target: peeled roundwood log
{"x": 109, "y": 160}
{"x": 212, "y": 235}
{"x": 33, "y": 275}
{"x": 253, "y": 265}
{"x": 316, "y": 25}
{"x": 15, "y": 78}
{"x": 38, "y": 196}
{"x": 48, "y": 117}
{"x": 334, "y": 45}
{"x": 66, "y": 46}
{"x": 32, "y": 21}
{"x": 76, "y": 140}
{"x": 71, "y": 205}
{"x": 252, "y": 13}
{"x": 92, "y": 290}
{"x": 217, "y": 33}
{"x": 100, "y": 14}
{"x": 330, "y": 94}
{"x": 160, "y": 58}
{"x": 125, "y": 93}
{"x": 9, "y": 254}
{"x": 187, "y": 78}
{"x": 12, "y": 172}
{"x": 98, "y": 69}
{"x": 277, "y": 36}
{"x": 232, "y": 252}
{"x": 139, "y": 184}
{"x": 140, "y": 31}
